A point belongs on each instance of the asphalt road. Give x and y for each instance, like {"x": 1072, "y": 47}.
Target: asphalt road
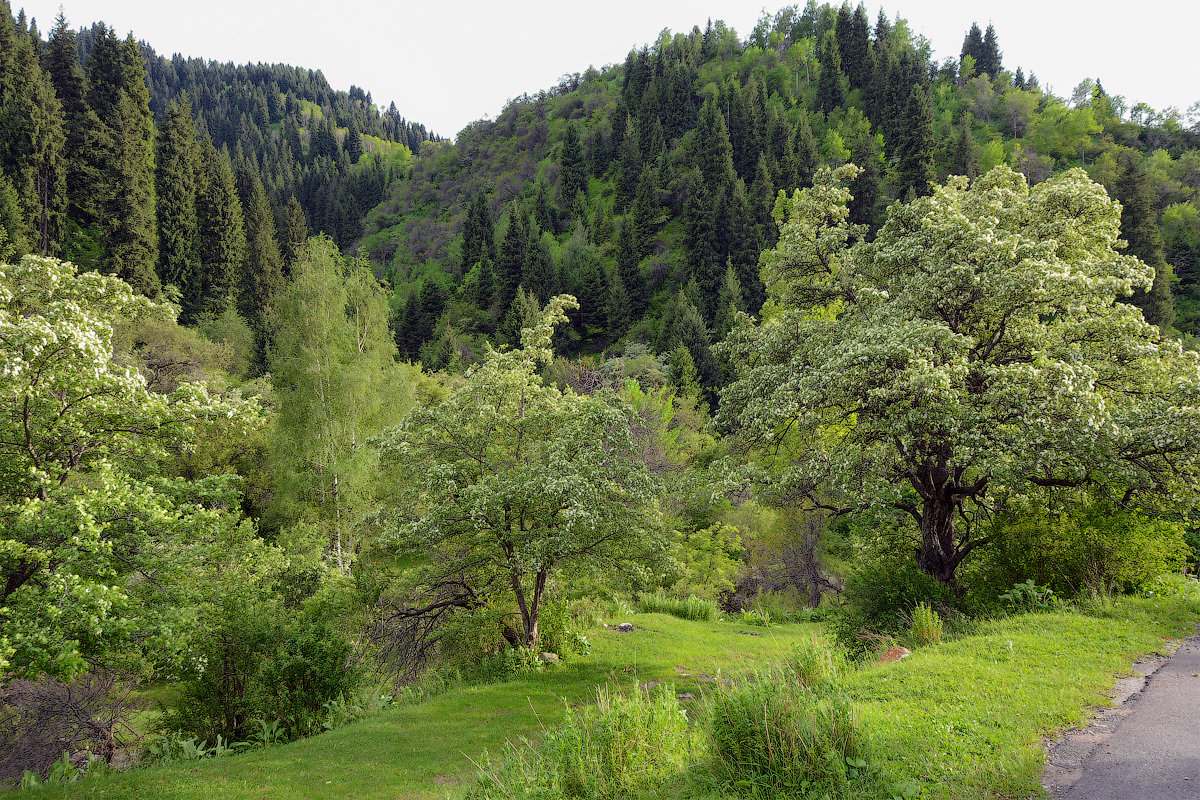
{"x": 1147, "y": 748}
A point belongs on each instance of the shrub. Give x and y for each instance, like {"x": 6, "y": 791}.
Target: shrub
{"x": 1029, "y": 597}
{"x": 880, "y": 597}
{"x": 771, "y": 736}
{"x": 926, "y": 627}
{"x": 627, "y": 743}
{"x": 815, "y": 665}
{"x": 258, "y": 663}
{"x": 692, "y": 608}
{"x": 1096, "y": 548}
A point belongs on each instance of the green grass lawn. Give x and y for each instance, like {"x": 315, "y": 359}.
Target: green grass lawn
{"x": 427, "y": 750}
{"x": 957, "y": 720}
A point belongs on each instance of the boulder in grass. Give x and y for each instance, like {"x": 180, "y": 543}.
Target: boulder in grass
{"x": 894, "y": 654}
{"x": 549, "y": 658}
{"x": 625, "y": 627}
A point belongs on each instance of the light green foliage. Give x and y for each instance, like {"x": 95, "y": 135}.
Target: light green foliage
{"x": 973, "y": 349}
{"x": 626, "y": 744}
{"x": 772, "y": 734}
{"x": 926, "y": 627}
{"x": 693, "y": 607}
{"x": 92, "y": 539}
{"x": 509, "y": 481}
{"x": 338, "y": 385}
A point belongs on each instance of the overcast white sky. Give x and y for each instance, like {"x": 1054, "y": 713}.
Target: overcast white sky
{"x": 446, "y": 64}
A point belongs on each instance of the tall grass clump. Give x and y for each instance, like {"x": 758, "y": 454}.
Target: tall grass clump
{"x": 693, "y": 608}
{"x": 627, "y": 743}
{"x": 926, "y": 627}
{"x": 787, "y": 731}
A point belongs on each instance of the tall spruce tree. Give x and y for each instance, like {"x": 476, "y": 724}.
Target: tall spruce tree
{"x": 221, "y": 232}
{"x": 31, "y": 148}
{"x": 262, "y": 278}
{"x": 1139, "y": 227}
{"x": 914, "y": 165}
{"x": 572, "y": 177}
{"x": 178, "y": 163}
{"x": 510, "y": 263}
{"x": 627, "y": 268}
{"x": 831, "y": 90}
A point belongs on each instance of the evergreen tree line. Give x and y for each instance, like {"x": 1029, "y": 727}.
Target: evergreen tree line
{"x": 209, "y": 196}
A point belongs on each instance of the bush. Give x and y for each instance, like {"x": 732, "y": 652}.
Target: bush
{"x": 772, "y": 735}
{"x": 259, "y": 663}
{"x": 1096, "y": 548}
{"x": 625, "y": 744}
{"x": 880, "y": 598}
{"x": 693, "y": 608}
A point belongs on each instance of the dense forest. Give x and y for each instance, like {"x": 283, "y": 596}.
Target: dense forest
{"x": 301, "y": 399}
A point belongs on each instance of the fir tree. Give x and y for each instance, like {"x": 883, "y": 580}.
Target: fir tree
{"x": 964, "y": 153}
{"x": 221, "y": 231}
{"x": 865, "y": 190}
{"x": 510, "y": 263}
{"x": 713, "y": 155}
{"x": 571, "y": 176}
{"x": 627, "y": 268}
{"x": 618, "y": 313}
{"x": 744, "y": 246}
{"x": 293, "y": 233}
{"x": 31, "y": 148}
{"x": 804, "y": 145}
{"x": 540, "y": 276}
{"x": 831, "y": 92}
{"x": 177, "y": 163}
{"x": 914, "y": 167}
{"x": 1139, "y": 227}
{"x": 263, "y": 275}
{"x": 523, "y": 312}
{"x": 989, "y": 59}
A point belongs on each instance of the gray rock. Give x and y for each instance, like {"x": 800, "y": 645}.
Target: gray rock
{"x": 549, "y": 658}
{"x": 625, "y": 627}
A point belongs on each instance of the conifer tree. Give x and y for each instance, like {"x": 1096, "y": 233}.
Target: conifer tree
{"x": 804, "y": 145}
{"x": 866, "y": 188}
{"x": 831, "y": 91}
{"x": 540, "y": 276}
{"x": 262, "y": 279}
{"x": 510, "y": 263}
{"x": 571, "y": 175}
{"x": 713, "y": 155}
{"x": 729, "y": 303}
{"x": 221, "y": 232}
{"x": 485, "y": 284}
{"x": 964, "y": 153}
{"x": 617, "y": 309}
{"x": 972, "y": 46}
{"x": 914, "y": 152}
{"x": 627, "y": 267}
{"x": 744, "y": 247}
{"x": 646, "y": 210}
{"x": 177, "y": 163}
{"x": 705, "y": 261}
{"x": 31, "y": 148}
{"x": 293, "y": 233}
{"x": 1139, "y": 227}
{"x": 989, "y": 60}
{"x": 522, "y": 313}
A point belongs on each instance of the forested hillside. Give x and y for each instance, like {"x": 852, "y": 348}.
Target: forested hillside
{"x": 646, "y": 188}
{"x": 180, "y": 172}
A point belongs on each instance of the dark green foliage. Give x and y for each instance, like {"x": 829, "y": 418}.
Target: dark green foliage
{"x": 571, "y": 176}
{"x": 178, "y": 165}
{"x": 540, "y": 275}
{"x": 804, "y": 147}
{"x": 221, "y": 231}
{"x": 479, "y": 233}
{"x": 266, "y": 663}
{"x": 831, "y": 90}
{"x": 964, "y": 152}
{"x": 262, "y": 276}
{"x": 866, "y": 189}
{"x": 914, "y": 151}
{"x": 646, "y": 212}
{"x": 617, "y": 305}
{"x": 522, "y": 313}
{"x": 31, "y": 147}
{"x": 880, "y": 596}
{"x": 293, "y": 233}
{"x": 744, "y": 246}
{"x": 700, "y": 218}
{"x": 510, "y": 264}
{"x": 713, "y": 155}
{"x": 628, "y": 259}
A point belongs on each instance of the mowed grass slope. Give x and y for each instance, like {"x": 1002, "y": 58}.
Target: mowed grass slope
{"x": 428, "y": 750}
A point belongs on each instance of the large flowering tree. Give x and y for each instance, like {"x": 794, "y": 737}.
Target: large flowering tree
{"x": 91, "y": 536}
{"x": 976, "y": 347}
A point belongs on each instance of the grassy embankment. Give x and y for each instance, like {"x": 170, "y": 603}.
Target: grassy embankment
{"x": 955, "y": 720}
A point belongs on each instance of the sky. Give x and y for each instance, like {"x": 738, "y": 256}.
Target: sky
{"x": 446, "y": 64}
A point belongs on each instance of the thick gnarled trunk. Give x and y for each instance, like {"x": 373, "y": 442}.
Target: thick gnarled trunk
{"x": 938, "y": 555}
